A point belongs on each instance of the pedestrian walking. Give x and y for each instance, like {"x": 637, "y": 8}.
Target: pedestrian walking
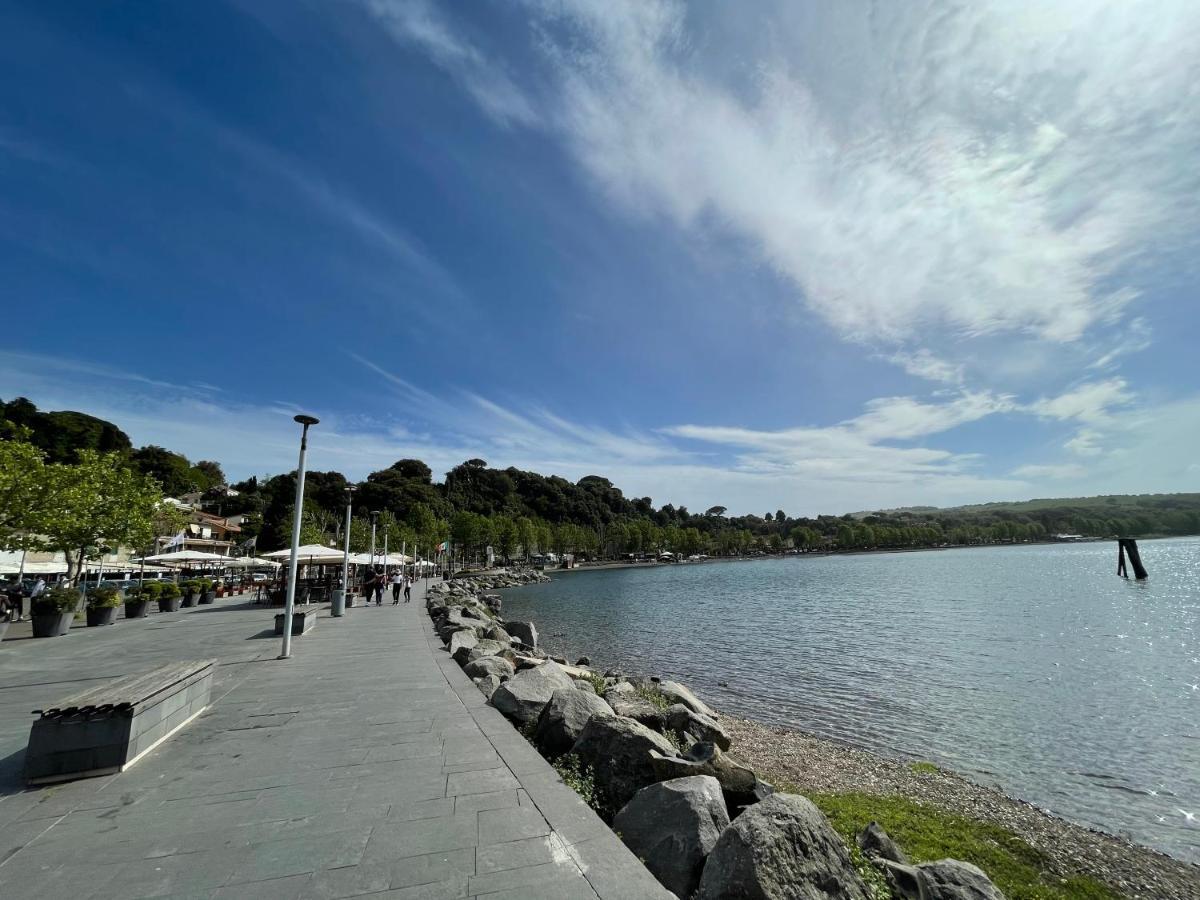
{"x": 408, "y": 588}
{"x": 379, "y": 589}
{"x": 397, "y": 583}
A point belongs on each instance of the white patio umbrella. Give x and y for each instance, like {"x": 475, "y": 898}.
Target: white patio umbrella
{"x": 252, "y": 562}
{"x": 186, "y": 557}
{"x": 310, "y": 554}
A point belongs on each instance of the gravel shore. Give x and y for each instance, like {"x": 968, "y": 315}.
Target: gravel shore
{"x": 823, "y": 766}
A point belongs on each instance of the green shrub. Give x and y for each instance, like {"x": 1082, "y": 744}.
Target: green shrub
{"x": 924, "y": 768}
{"x": 55, "y": 600}
{"x": 170, "y": 590}
{"x": 653, "y": 695}
{"x": 152, "y": 589}
{"x": 103, "y": 598}
{"x": 599, "y": 682}
{"x": 204, "y": 585}
{"x": 580, "y": 779}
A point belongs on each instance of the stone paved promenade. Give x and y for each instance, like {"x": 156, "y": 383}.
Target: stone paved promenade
{"x": 366, "y": 765}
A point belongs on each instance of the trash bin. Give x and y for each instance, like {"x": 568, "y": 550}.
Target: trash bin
{"x": 337, "y": 605}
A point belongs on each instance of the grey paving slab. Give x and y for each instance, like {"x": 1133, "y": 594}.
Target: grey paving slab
{"x": 366, "y": 765}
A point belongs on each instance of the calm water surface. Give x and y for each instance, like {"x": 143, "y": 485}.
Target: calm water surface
{"x": 1034, "y": 668}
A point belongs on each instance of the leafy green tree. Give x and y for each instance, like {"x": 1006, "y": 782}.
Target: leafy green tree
{"x": 98, "y": 504}
{"x": 24, "y": 495}
{"x": 209, "y": 474}
{"x": 172, "y": 471}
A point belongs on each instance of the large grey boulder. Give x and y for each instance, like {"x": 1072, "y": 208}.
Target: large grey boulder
{"x": 496, "y": 633}
{"x": 524, "y": 695}
{"x": 677, "y": 693}
{"x": 681, "y": 720}
{"x": 952, "y": 879}
{"x": 877, "y": 844}
{"x": 489, "y": 665}
{"x": 584, "y": 685}
{"x": 461, "y": 643}
{"x": 619, "y": 751}
{"x": 487, "y": 684}
{"x": 564, "y": 717}
{"x": 780, "y": 849}
{"x": 525, "y": 632}
{"x": 741, "y": 786}
{"x": 672, "y": 826}
{"x": 634, "y": 707}
{"x": 487, "y": 647}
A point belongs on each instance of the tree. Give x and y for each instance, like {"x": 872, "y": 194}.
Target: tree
{"x": 715, "y": 511}
{"x": 24, "y": 496}
{"x": 172, "y": 471}
{"x": 209, "y": 474}
{"x": 97, "y": 505}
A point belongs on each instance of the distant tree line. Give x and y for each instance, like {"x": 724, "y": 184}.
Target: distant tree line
{"x": 520, "y": 513}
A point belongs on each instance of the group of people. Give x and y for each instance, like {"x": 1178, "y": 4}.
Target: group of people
{"x": 375, "y": 581}
{"x": 13, "y": 596}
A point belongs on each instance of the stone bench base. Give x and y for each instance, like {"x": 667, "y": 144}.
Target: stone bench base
{"x": 302, "y": 621}
{"x": 107, "y": 729}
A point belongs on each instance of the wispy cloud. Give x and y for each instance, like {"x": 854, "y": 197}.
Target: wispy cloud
{"x": 418, "y": 23}
{"x": 982, "y": 169}
{"x": 887, "y": 456}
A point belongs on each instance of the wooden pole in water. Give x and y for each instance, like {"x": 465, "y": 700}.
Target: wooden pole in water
{"x": 1129, "y": 545}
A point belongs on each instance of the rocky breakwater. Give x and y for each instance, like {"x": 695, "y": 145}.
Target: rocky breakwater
{"x": 653, "y": 760}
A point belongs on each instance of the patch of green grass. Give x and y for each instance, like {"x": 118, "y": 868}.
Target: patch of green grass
{"x": 598, "y": 682}
{"x": 653, "y": 695}
{"x": 924, "y": 768}
{"x": 926, "y": 833}
{"x": 877, "y": 884}
{"x": 579, "y": 778}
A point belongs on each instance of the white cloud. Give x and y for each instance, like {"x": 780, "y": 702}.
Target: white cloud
{"x": 865, "y": 462}
{"x": 1090, "y": 403}
{"x": 416, "y": 22}
{"x": 923, "y": 364}
{"x": 983, "y": 169}
{"x": 1067, "y": 470}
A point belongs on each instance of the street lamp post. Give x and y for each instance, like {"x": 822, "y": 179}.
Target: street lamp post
{"x": 339, "y": 602}
{"x": 374, "y": 520}
{"x": 297, "y": 513}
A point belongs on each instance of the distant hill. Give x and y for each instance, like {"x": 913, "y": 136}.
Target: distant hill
{"x": 61, "y": 434}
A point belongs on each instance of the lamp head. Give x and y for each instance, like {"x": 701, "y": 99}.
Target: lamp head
{"x": 307, "y": 420}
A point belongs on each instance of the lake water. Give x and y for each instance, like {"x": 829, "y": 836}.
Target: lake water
{"x": 1034, "y": 668}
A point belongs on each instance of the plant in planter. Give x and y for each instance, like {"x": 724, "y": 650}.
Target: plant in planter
{"x": 102, "y": 603}
{"x": 191, "y": 591}
{"x": 206, "y": 593}
{"x": 138, "y": 598}
{"x": 170, "y": 598}
{"x": 53, "y": 611}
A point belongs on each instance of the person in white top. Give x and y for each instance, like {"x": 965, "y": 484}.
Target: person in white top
{"x": 397, "y": 583}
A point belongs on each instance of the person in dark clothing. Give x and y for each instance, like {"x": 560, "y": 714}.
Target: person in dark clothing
{"x": 397, "y": 582}
{"x": 379, "y": 589}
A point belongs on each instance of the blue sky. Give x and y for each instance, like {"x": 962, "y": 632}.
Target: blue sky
{"x": 822, "y": 257}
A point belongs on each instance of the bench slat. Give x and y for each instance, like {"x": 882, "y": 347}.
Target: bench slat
{"x": 132, "y": 690}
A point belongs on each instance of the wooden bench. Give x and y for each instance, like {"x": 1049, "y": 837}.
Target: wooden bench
{"x": 106, "y": 729}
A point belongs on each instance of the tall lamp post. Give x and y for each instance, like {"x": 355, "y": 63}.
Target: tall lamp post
{"x": 298, "y": 512}
{"x": 340, "y": 596}
{"x": 374, "y": 520}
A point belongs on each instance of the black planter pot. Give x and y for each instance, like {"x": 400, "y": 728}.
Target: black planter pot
{"x": 136, "y": 609}
{"x": 51, "y": 624}
{"x": 171, "y": 604}
{"x": 208, "y": 597}
{"x": 189, "y": 600}
{"x": 106, "y": 615}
